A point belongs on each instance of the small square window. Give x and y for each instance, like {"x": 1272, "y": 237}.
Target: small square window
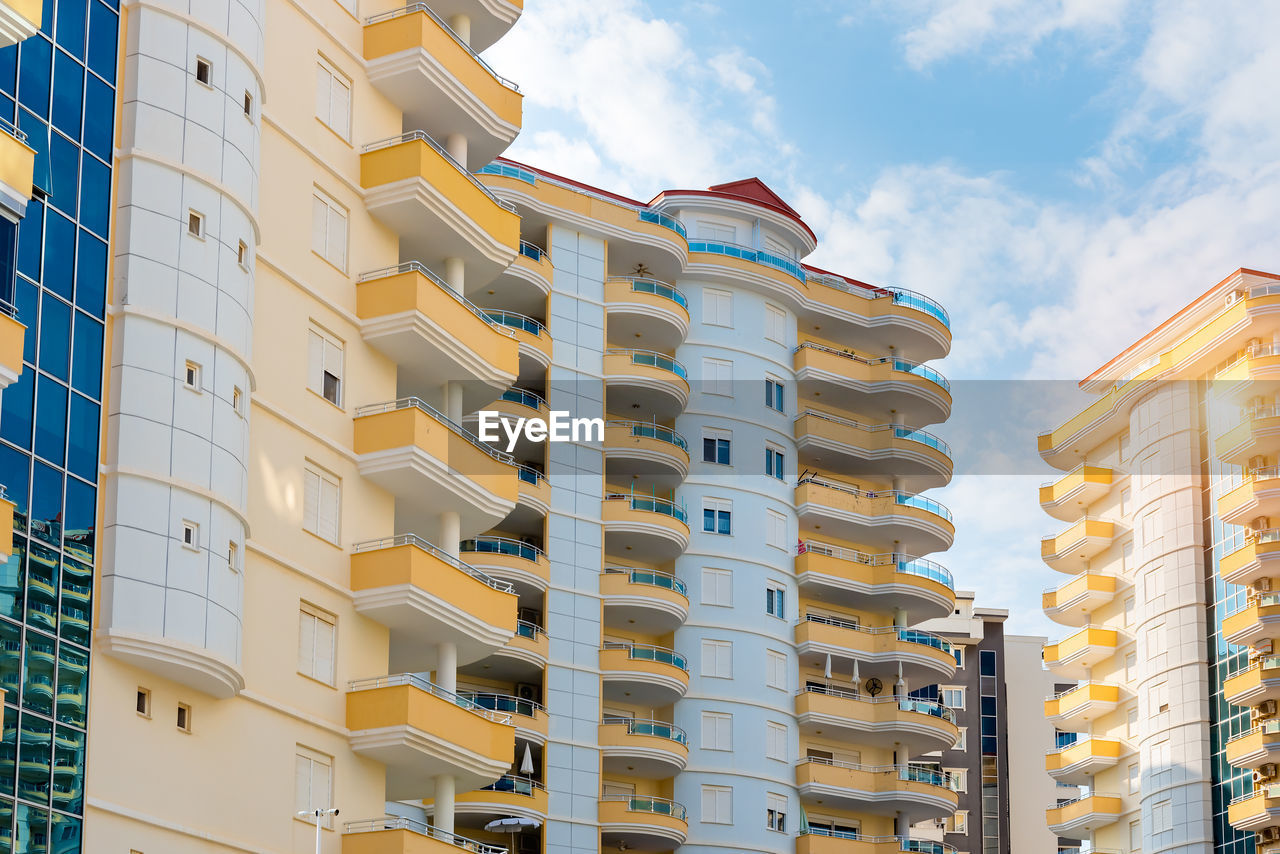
{"x": 233, "y": 557}
{"x": 195, "y": 224}
{"x": 144, "y": 702}
{"x": 190, "y": 535}
{"x": 191, "y": 376}
{"x": 773, "y": 395}
{"x": 237, "y": 400}
{"x": 204, "y": 71}
{"x": 184, "y": 717}
{"x": 248, "y": 105}
{"x": 242, "y": 254}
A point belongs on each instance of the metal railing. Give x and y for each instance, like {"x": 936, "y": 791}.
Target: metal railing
{"x": 651, "y": 359}
{"x": 920, "y": 302}
{"x": 526, "y": 629}
{"x": 419, "y": 267}
{"x": 1087, "y": 685}
{"x": 439, "y": 149}
{"x": 529, "y": 250}
{"x": 904, "y": 563}
{"x": 899, "y": 431}
{"x": 500, "y": 546}
{"x": 642, "y": 726}
{"x": 507, "y": 170}
{"x": 416, "y": 681}
{"x": 1080, "y": 799}
{"x": 503, "y": 703}
{"x": 529, "y": 474}
{"x": 1083, "y": 520}
{"x": 1088, "y": 573}
{"x": 913, "y": 368}
{"x": 905, "y": 843}
{"x": 649, "y": 652}
{"x": 423, "y": 7}
{"x": 647, "y": 430}
{"x": 736, "y": 250}
{"x": 515, "y": 320}
{"x": 903, "y": 499}
{"x": 652, "y": 504}
{"x": 656, "y": 806}
{"x": 904, "y": 634}
{"x": 905, "y": 773}
{"x": 905, "y": 704}
{"x": 1082, "y": 739}
{"x": 13, "y": 130}
{"x": 643, "y": 285}
{"x": 663, "y": 219}
{"x": 524, "y": 397}
{"x": 435, "y": 551}
{"x": 418, "y": 403}
{"x": 8, "y": 309}
{"x": 370, "y": 825}
{"x": 651, "y": 577}
{"x": 526, "y": 786}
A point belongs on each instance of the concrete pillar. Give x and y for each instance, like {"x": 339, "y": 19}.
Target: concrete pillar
{"x": 899, "y": 484}
{"x": 895, "y": 417}
{"x": 445, "y": 790}
{"x": 450, "y": 532}
{"x": 455, "y": 274}
{"x": 451, "y": 403}
{"x": 899, "y": 617}
{"x": 447, "y": 666}
{"x": 461, "y": 26}
{"x": 456, "y": 145}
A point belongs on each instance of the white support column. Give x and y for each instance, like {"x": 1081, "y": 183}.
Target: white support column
{"x": 456, "y": 145}
{"x": 443, "y": 809}
{"x": 450, "y": 532}
{"x": 900, "y": 618}
{"x": 447, "y": 666}
{"x": 461, "y": 26}
{"x": 451, "y": 404}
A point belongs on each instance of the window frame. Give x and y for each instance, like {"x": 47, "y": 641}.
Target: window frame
{"x": 721, "y": 654}
{"x": 321, "y": 344}
{"x": 722, "y": 302}
{"x": 722, "y": 726}
{"x": 334, "y": 74}
{"x": 775, "y": 396}
{"x": 721, "y": 518}
{"x": 724, "y": 576}
{"x": 309, "y": 614}
{"x": 325, "y": 477}
{"x": 722, "y": 801}
{"x": 333, "y": 208}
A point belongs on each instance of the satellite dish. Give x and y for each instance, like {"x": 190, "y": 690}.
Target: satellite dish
{"x": 874, "y": 686}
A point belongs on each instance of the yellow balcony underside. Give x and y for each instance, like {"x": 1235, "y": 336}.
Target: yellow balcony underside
{"x": 647, "y": 391}
{"x": 883, "y": 651}
{"x": 1256, "y": 496}
{"x": 17, "y": 159}
{"x": 1082, "y": 650}
{"x": 836, "y": 446}
{"x": 512, "y": 567}
{"x": 1254, "y": 685}
{"x": 873, "y": 791}
{"x": 633, "y": 449}
{"x": 1259, "y": 810}
{"x": 876, "y": 390}
{"x": 490, "y": 19}
{"x": 649, "y": 608}
{"x": 881, "y": 322}
{"x": 844, "y": 581}
{"x": 645, "y": 830}
{"x": 645, "y": 535}
{"x": 1074, "y": 602}
{"x": 1256, "y": 747}
{"x": 635, "y": 753}
{"x": 1068, "y": 497}
{"x": 1259, "y": 619}
{"x": 1070, "y": 551}
{"x": 1079, "y": 762}
{"x": 650, "y": 320}
{"x": 12, "y": 337}
{"x": 1255, "y": 434}
{"x": 530, "y": 802}
{"x": 876, "y": 521}
{"x": 1089, "y": 813}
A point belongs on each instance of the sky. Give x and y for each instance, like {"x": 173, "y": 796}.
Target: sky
{"x": 1061, "y": 174}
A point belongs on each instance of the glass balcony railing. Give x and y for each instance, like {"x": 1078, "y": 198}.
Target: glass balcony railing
{"x": 436, "y": 552}
{"x": 530, "y": 475}
{"x": 920, "y": 302}
{"x": 746, "y": 253}
{"x": 904, "y": 634}
{"x": 524, "y": 398}
{"x": 903, "y": 365}
{"x": 440, "y": 22}
{"x": 641, "y": 285}
{"x": 526, "y": 629}
{"x": 918, "y": 846}
{"x": 421, "y": 684}
{"x": 516, "y": 785}
{"x": 651, "y": 577}
{"x": 503, "y": 703}
{"x": 641, "y": 429}
{"x": 660, "y": 729}
{"x": 652, "y": 360}
{"x": 651, "y": 504}
{"x": 903, "y": 499}
{"x": 648, "y": 652}
{"x": 905, "y": 704}
{"x": 665, "y": 220}
{"x": 528, "y": 250}
{"x": 501, "y": 546}
{"x": 905, "y": 564}
{"x": 899, "y": 431}
{"x": 372, "y": 825}
{"x": 507, "y": 170}
{"x": 514, "y": 320}
{"x": 657, "y": 806}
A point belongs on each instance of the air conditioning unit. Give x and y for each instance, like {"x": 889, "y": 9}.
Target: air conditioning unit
{"x": 1232, "y": 297}
{"x": 1269, "y": 834}
{"x": 1267, "y": 709}
{"x": 1261, "y": 648}
{"x": 528, "y": 691}
{"x": 1262, "y": 585}
{"x": 1262, "y": 523}
{"x": 1265, "y": 773}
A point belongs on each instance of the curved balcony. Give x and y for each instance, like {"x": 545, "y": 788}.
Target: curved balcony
{"x": 434, "y": 334}
{"x": 853, "y": 448}
{"x": 513, "y": 405}
{"x": 510, "y": 560}
{"x": 652, "y": 384}
{"x": 650, "y": 749}
{"x": 918, "y": 726}
{"x": 1067, "y": 498}
{"x": 879, "y": 318}
{"x": 1259, "y": 557}
{"x": 884, "y": 388}
{"x": 886, "y": 520}
{"x": 842, "y": 576}
{"x": 1257, "y": 810}
{"x": 1071, "y": 550}
{"x": 530, "y": 718}
{"x": 634, "y": 823}
{"x": 647, "y": 449}
{"x": 1258, "y": 495}
{"x": 437, "y": 207}
{"x": 523, "y": 659}
{"x": 1257, "y": 746}
{"x": 440, "y": 84}
{"x": 914, "y": 793}
{"x": 1077, "y": 763}
{"x": 432, "y": 465}
{"x": 654, "y": 313}
{"x": 1258, "y": 619}
{"x": 646, "y": 600}
{"x": 400, "y": 835}
{"x": 533, "y": 338}
{"x": 656, "y": 529}
{"x": 1256, "y": 684}
{"x": 427, "y": 597}
{"x": 1072, "y": 657}
{"x": 510, "y": 795}
{"x": 1254, "y": 366}
{"x": 525, "y": 285}
{"x": 489, "y": 20}
{"x": 645, "y": 674}
{"x": 1076, "y": 707}
{"x": 821, "y": 840}
{"x": 882, "y": 651}
{"x": 1087, "y": 813}
{"x": 737, "y": 262}
{"x": 533, "y": 497}
{"x": 1073, "y": 603}
{"x": 12, "y": 333}
{"x": 421, "y": 731}
{"x": 1256, "y": 434}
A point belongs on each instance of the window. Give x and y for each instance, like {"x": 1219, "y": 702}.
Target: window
{"x": 775, "y": 741}
{"x": 144, "y": 702}
{"x": 717, "y": 307}
{"x": 959, "y": 779}
{"x": 717, "y": 731}
{"x": 316, "y": 635}
{"x": 191, "y": 376}
{"x": 190, "y": 534}
{"x": 184, "y": 717}
{"x": 1125, "y": 495}
{"x": 957, "y": 652}
{"x": 1130, "y": 663}
{"x": 717, "y": 805}
{"x": 717, "y": 587}
{"x": 715, "y": 446}
{"x": 313, "y": 782}
{"x": 717, "y": 231}
{"x": 1124, "y": 445}
{"x": 776, "y": 812}
{"x": 776, "y": 531}
{"x": 195, "y": 224}
{"x": 775, "y": 324}
{"x": 242, "y": 255}
{"x": 717, "y": 376}
{"x": 204, "y": 71}
{"x": 1135, "y": 835}
{"x": 1162, "y": 816}
{"x": 320, "y": 500}
{"x": 773, "y": 397}
{"x": 776, "y": 670}
{"x": 774, "y": 461}
{"x": 717, "y": 516}
{"x": 952, "y": 698}
{"x": 237, "y": 400}
{"x": 717, "y": 659}
{"x": 324, "y": 365}
{"x": 233, "y": 557}
{"x": 775, "y": 601}
{"x": 329, "y": 229}
{"x": 1126, "y": 556}
{"x": 1135, "y": 778}
{"x": 777, "y": 247}
{"x": 963, "y": 740}
{"x": 959, "y": 822}
{"x": 248, "y": 105}
{"x": 1129, "y": 606}
{"x": 333, "y": 99}
{"x": 1131, "y": 724}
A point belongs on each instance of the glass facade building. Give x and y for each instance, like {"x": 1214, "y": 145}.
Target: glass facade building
{"x": 57, "y": 88}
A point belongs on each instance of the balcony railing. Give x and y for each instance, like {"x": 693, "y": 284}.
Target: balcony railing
{"x": 1068, "y": 802}
{"x": 905, "y": 564}
{"x": 528, "y": 250}
{"x": 904, "y": 634}
{"x": 1085, "y": 686}
{"x": 646, "y": 430}
{"x": 903, "y": 365}
{"x": 525, "y": 398}
{"x": 653, "y": 360}
{"x": 528, "y": 474}
{"x": 515, "y": 320}
{"x": 417, "y": 403}
{"x": 747, "y": 253}
{"x": 657, "y": 806}
{"x": 663, "y": 219}
{"x": 903, "y": 499}
{"x": 371, "y": 825}
{"x": 13, "y": 130}
{"x": 418, "y": 267}
{"x": 507, "y": 170}
{"x": 503, "y": 703}
{"x": 899, "y": 432}
{"x": 526, "y": 629}
{"x": 641, "y": 726}
{"x": 641, "y": 285}
{"x": 516, "y": 785}
{"x": 649, "y": 652}
{"x": 652, "y": 504}
{"x": 431, "y": 688}
{"x": 905, "y": 704}
{"x": 651, "y": 577}
{"x": 917, "y": 846}
{"x": 501, "y": 546}
{"x": 435, "y": 551}
{"x": 422, "y": 135}
{"x": 423, "y": 7}
{"x": 905, "y": 773}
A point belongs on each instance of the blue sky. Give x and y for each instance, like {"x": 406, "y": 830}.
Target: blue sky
{"x": 1061, "y": 174}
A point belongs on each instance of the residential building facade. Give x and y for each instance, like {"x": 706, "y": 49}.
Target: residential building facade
{"x": 1165, "y": 499}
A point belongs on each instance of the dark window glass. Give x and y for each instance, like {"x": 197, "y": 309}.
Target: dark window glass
{"x": 9, "y": 745}
{"x": 71, "y": 26}
{"x": 73, "y": 673}
{"x": 91, "y": 275}
{"x": 86, "y": 370}
{"x": 51, "y": 420}
{"x": 65, "y": 832}
{"x": 78, "y": 524}
{"x": 82, "y": 444}
{"x": 103, "y": 28}
{"x": 42, "y": 588}
{"x": 987, "y": 662}
{"x": 715, "y": 521}
{"x": 29, "y": 234}
{"x": 99, "y": 109}
{"x": 59, "y": 253}
{"x": 15, "y": 469}
{"x": 15, "y": 410}
{"x": 8, "y": 258}
{"x": 68, "y": 94}
{"x": 989, "y": 745}
{"x": 46, "y": 503}
{"x": 38, "y": 138}
{"x": 715, "y": 451}
{"x": 55, "y": 338}
{"x": 77, "y": 580}
{"x": 37, "y": 674}
{"x": 64, "y": 163}
{"x": 95, "y": 194}
{"x": 28, "y": 305}
{"x": 8, "y": 73}
{"x": 989, "y": 706}
{"x": 12, "y": 603}
{"x": 34, "y": 76}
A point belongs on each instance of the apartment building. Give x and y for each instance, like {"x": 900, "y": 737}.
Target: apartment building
{"x": 1165, "y": 497}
